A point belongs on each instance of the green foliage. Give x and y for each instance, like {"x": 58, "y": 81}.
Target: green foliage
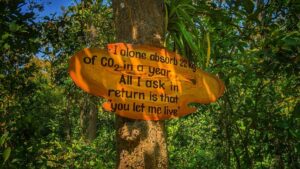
{"x": 253, "y": 46}
{"x": 254, "y": 49}
{"x": 6, "y": 154}
{"x": 183, "y": 37}
{"x": 18, "y": 42}
{"x": 40, "y": 106}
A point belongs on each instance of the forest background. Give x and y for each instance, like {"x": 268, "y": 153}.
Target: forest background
{"x": 253, "y": 46}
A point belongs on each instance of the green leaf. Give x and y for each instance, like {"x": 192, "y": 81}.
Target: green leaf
{"x": 294, "y": 133}
{"x": 14, "y": 27}
{"x": 6, "y": 46}
{"x": 208, "y": 50}
{"x": 6, "y": 154}
{"x": 5, "y": 36}
{"x": 3, "y": 138}
{"x": 187, "y": 36}
{"x": 291, "y": 40}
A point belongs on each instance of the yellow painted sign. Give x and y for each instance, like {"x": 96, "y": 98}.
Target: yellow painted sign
{"x": 142, "y": 82}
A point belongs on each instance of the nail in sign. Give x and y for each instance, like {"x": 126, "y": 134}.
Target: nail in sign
{"x": 143, "y": 82}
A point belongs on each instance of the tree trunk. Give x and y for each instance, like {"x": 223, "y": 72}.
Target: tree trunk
{"x": 67, "y": 121}
{"x": 91, "y": 131}
{"x": 140, "y": 144}
{"x": 89, "y": 104}
{"x": 88, "y": 117}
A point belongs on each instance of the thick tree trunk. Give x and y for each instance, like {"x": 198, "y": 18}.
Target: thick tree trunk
{"x": 140, "y": 144}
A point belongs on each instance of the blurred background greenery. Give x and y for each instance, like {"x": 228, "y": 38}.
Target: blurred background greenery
{"x": 253, "y": 46}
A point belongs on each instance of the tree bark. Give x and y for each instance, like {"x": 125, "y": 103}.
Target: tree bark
{"x": 140, "y": 144}
{"x": 88, "y": 117}
{"x": 92, "y": 120}
{"x": 89, "y": 105}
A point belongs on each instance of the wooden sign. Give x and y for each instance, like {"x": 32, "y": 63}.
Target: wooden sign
{"x": 142, "y": 82}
